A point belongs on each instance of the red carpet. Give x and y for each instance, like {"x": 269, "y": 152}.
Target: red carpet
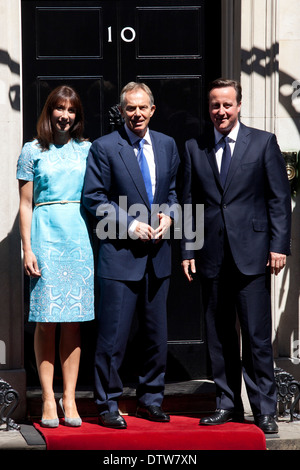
{"x": 182, "y": 433}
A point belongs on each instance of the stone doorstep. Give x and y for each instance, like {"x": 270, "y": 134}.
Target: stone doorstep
{"x": 194, "y": 396}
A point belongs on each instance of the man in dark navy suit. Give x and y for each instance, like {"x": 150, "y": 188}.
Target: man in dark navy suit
{"x": 239, "y": 174}
{"x": 130, "y": 188}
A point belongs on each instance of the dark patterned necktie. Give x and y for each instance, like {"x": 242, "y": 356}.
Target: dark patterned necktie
{"x": 145, "y": 170}
{"x": 226, "y": 158}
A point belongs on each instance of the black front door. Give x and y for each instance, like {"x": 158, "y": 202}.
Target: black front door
{"x": 98, "y": 47}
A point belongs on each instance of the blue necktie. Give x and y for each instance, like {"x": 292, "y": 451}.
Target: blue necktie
{"x": 226, "y": 158}
{"x": 145, "y": 170}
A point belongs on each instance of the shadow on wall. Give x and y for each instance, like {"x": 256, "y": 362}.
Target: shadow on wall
{"x": 10, "y": 291}
{"x": 264, "y": 63}
{"x": 14, "y": 90}
{"x": 10, "y": 252}
{"x": 288, "y": 329}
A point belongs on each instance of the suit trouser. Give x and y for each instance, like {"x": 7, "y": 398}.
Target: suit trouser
{"x": 118, "y": 302}
{"x": 230, "y": 294}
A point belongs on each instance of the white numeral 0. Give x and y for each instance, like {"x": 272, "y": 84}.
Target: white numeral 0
{"x": 132, "y": 34}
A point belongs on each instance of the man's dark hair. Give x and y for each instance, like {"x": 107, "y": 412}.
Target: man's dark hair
{"x": 224, "y": 82}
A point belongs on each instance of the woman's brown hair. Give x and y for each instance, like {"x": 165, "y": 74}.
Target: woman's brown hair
{"x": 59, "y": 95}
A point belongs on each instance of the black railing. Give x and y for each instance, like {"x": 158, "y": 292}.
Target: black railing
{"x": 288, "y": 393}
{"x": 9, "y": 400}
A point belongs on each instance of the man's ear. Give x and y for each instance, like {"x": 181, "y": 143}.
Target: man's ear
{"x": 153, "y": 108}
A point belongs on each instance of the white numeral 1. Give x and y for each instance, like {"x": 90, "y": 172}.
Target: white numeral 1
{"x": 109, "y": 34}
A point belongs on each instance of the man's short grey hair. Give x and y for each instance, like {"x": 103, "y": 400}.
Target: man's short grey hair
{"x": 135, "y": 86}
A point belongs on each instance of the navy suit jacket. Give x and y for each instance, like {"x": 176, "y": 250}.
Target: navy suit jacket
{"x": 113, "y": 172}
{"x": 254, "y": 207}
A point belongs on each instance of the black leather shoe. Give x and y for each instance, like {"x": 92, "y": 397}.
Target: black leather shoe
{"x": 221, "y": 417}
{"x": 153, "y": 413}
{"x": 112, "y": 420}
{"x": 267, "y": 424}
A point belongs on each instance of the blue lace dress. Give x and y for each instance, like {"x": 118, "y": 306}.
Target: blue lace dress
{"x": 59, "y": 234}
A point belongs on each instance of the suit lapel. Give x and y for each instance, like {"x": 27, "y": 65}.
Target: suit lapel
{"x": 158, "y": 149}
{"x": 211, "y": 156}
{"x": 239, "y": 150}
{"x": 130, "y": 161}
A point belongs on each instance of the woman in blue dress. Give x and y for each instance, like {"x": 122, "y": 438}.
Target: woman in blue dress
{"x": 56, "y": 245}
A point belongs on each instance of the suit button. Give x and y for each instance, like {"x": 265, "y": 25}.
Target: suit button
{"x": 224, "y": 206}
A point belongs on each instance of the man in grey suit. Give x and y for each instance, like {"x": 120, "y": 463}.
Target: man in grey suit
{"x": 134, "y": 260}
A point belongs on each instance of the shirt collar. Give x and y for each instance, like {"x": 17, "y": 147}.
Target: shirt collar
{"x": 232, "y": 134}
{"x": 134, "y": 138}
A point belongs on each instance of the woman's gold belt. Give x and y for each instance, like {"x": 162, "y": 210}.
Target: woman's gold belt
{"x": 55, "y": 202}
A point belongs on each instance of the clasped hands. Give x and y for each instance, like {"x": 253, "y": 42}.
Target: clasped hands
{"x": 145, "y": 232}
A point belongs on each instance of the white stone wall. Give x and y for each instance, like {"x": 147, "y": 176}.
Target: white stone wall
{"x": 288, "y": 131}
{"x": 11, "y": 292}
{"x": 288, "y": 119}
{"x": 10, "y": 115}
{"x": 270, "y": 75}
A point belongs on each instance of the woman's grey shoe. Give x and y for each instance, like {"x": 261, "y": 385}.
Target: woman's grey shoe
{"x": 49, "y": 423}
{"x": 72, "y": 422}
